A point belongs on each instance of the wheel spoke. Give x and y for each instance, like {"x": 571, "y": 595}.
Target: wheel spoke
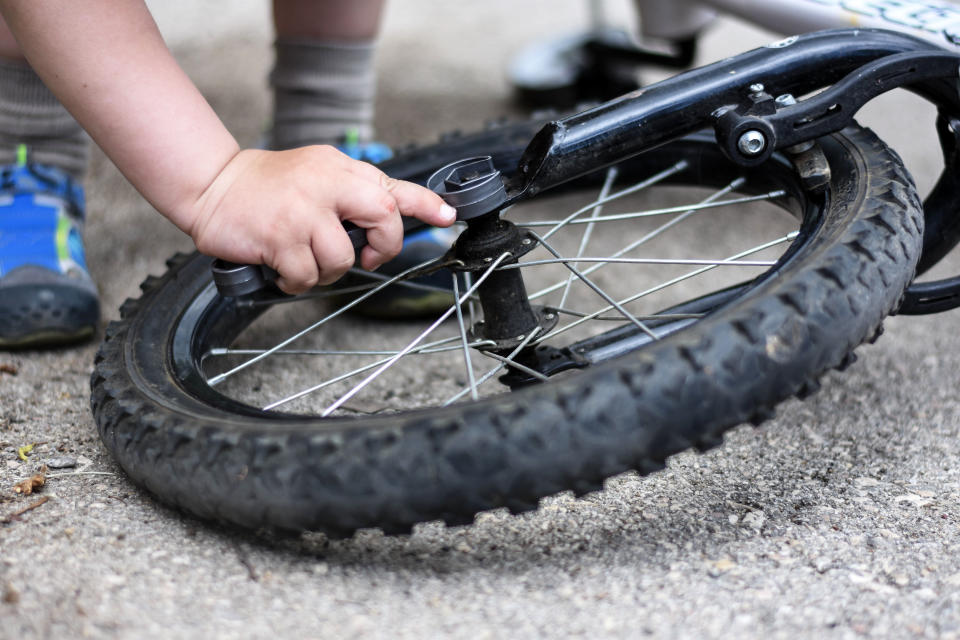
{"x": 430, "y": 347}
{"x": 336, "y": 292}
{"x": 463, "y": 339}
{"x": 600, "y": 292}
{"x": 656, "y": 316}
{"x": 446, "y": 314}
{"x": 221, "y": 352}
{"x": 471, "y": 305}
{"x": 408, "y": 284}
{"x": 669, "y": 283}
{"x": 223, "y": 376}
{"x": 772, "y": 195}
{"x": 513, "y": 363}
{"x": 663, "y": 175}
{"x": 735, "y": 184}
{"x": 674, "y": 261}
{"x": 585, "y": 239}
{"x": 246, "y": 302}
{"x": 489, "y": 374}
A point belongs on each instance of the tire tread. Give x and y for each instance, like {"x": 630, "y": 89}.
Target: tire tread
{"x": 617, "y": 417}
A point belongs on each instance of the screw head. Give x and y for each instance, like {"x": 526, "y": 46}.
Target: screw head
{"x": 752, "y": 143}
{"x": 526, "y": 241}
{"x": 719, "y": 111}
{"x": 756, "y": 87}
{"x": 785, "y": 100}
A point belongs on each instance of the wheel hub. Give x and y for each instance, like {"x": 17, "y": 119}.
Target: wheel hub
{"x": 475, "y": 188}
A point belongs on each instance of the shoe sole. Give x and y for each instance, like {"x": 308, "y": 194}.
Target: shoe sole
{"x": 46, "y": 339}
{"x": 46, "y": 315}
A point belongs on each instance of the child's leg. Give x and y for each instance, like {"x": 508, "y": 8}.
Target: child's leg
{"x": 341, "y": 20}
{"x": 47, "y": 295}
{"x": 30, "y": 115}
{"x": 324, "y": 87}
{"x": 323, "y": 80}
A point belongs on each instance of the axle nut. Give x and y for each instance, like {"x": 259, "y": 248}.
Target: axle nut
{"x": 472, "y": 186}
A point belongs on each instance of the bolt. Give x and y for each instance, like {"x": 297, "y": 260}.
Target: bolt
{"x": 488, "y": 259}
{"x": 751, "y": 143}
{"x": 800, "y": 147}
{"x": 756, "y": 87}
{"x": 549, "y": 316}
{"x": 786, "y": 100}
{"x": 526, "y": 241}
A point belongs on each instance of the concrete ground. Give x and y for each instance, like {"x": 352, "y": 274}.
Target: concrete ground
{"x": 837, "y": 519}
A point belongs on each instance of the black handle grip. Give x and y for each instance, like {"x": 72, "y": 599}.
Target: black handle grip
{"x": 235, "y": 280}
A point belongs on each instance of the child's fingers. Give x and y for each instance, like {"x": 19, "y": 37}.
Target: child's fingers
{"x": 371, "y": 258}
{"x": 298, "y": 269}
{"x": 323, "y": 261}
{"x": 376, "y": 210}
{"x": 420, "y": 203}
{"x": 332, "y": 250}
{"x": 412, "y": 199}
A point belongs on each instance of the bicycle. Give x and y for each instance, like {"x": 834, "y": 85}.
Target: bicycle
{"x": 187, "y": 399}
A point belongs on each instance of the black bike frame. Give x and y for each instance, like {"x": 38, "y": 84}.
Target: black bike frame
{"x": 737, "y": 96}
{"x": 863, "y": 61}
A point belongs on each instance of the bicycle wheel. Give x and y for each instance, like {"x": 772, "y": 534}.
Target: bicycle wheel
{"x": 667, "y": 339}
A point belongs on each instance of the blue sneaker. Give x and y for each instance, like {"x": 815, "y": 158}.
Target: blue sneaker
{"x": 372, "y": 152}
{"x": 46, "y": 295}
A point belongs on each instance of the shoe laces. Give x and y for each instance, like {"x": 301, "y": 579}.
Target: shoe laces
{"x": 33, "y": 178}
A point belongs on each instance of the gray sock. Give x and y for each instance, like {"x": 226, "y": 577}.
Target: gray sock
{"x": 321, "y": 91}
{"x": 30, "y": 115}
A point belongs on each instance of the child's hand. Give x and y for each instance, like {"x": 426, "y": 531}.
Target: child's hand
{"x": 284, "y": 209}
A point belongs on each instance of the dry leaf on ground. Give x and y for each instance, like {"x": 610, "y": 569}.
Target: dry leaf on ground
{"x": 37, "y": 480}
{"x": 10, "y": 594}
